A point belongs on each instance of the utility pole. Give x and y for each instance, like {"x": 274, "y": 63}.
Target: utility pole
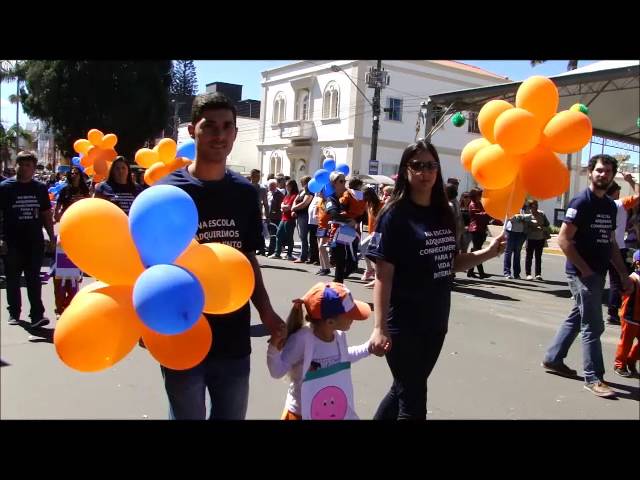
{"x": 377, "y": 78}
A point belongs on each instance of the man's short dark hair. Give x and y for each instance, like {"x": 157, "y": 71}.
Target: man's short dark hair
{"x": 26, "y": 155}
{"x": 613, "y": 188}
{"x": 453, "y": 180}
{"x": 211, "y": 101}
{"x": 255, "y": 171}
{"x": 355, "y": 183}
{"x": 270, "y": 176}
{"x": 451, "y": 191}
{"x": 605, "y": 160}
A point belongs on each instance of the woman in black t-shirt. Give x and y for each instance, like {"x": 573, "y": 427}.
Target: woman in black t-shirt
{"x": 119, "y": 188}
{"x": 415, "y": 251}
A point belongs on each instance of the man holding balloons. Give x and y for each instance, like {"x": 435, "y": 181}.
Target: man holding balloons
{"x": 228, "y": 213}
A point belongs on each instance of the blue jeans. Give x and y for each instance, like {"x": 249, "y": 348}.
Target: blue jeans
{"x": 227, "y": 380}
{"x": 515, "y": 240}
{"x": 284, "y": 236}
{"x": 586, "y": 317}
{"x": 303, "y": 232}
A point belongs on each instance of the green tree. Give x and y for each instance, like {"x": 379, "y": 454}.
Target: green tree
{"x": 571, "y": 65}
{"x": 126, "y": 98}
{"x": 184, "y": 80}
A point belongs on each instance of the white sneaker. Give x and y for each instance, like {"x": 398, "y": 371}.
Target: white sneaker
{"x": 529, "y": 277}
{"x": 539, "y": 277}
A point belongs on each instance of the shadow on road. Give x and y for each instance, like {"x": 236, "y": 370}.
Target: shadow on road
{"x": 275, "y": 267}
{"x": 631, "y": 393}
{"x": 477, "y": 292}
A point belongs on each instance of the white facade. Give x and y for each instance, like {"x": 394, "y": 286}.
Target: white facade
{"x": 244, "y": 155}
{"x": 296, "y": 134}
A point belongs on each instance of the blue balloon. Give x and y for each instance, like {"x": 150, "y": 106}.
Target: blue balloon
{"x": 343, "y": 167}
{"x": 162, "y": 220}
{"x": 187, "y": 150}
{"x": 75, "y": 161}
{"x": 322, "y": 176}
{"x": 329, "y": 164}
{"x": 314, "y": 186}
{"x": 168, "y": 299}
{"x": 328, "y": 189}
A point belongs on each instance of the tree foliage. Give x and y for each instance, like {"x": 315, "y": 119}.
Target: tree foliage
{"x": 184, "y": 80}
{"x": 126, "y": 98}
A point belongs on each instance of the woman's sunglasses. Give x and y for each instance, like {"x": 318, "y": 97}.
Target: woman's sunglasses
{"x": 418, "y": 166}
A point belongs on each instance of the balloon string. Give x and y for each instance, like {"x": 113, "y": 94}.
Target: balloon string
{"x": 506, "y": 215}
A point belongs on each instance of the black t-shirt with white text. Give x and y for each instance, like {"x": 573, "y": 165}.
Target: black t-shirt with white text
{"x": 422, "y": 250}
{"x": 122, "y": 195}
{"x": 595, "y": 219}
{"x": 227, "y": 213}
{"x": 21, "y": 205}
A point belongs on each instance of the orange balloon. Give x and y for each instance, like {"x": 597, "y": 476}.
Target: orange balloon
{"x": 98, "y": 329}
{"x": 182, "y": 351}
{"x": 98, "y": 178}
{"x": 100, "y": 166}
{"x": 517, "y": 131}
{"x": 82, "y": 146}
{"x": 145, "y": 157}
{"x": 567, "y": 132}
{"x": 109, "y": 141}
{"x": 177, "y": 163}
{"x": 166, "y": 149}
{"x": 493, "y": 168}
{"x": 543, "y": 174}
{"x": 239, "y": 275}
{"x": 505, "y": 202}
{"x": 539, "y": 96}
{"x": 108, "y": 155}
{"x": 89, "y": 171}
{"x": 95, "y": 235}
{"x": 470, "y": 150}
{"x": 488, "y": 115}
{"x": 95, "y": 136}
{"x": 204, "y": 264}
{"x": 92, "y": 287}
{"x": 87, "y": 159}
{"x": 155, "y": 173}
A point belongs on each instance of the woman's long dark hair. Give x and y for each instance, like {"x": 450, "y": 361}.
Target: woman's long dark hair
{"x": 83, "y": 188}
{"x": 402, "y": 189}
{"x": 111, "y": 180}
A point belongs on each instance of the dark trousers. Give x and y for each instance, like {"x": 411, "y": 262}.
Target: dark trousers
{"x": 534, "y": 247}
{"x": 515, "y": 240}
{"x": 411, "y": 360}
{"x": 313, "y": 244}
{"x": 478, "y": 238}
{"x": 345, "y": 263}
{"x": 25, "y": 258}
{"x": 273, "y": 229}
{"x": 284, "y": 236}
{"x": 615, "y": 286}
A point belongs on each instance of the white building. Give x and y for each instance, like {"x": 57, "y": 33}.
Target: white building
{"x": 311, "y": 112}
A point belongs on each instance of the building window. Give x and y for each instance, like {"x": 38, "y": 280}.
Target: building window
{"x": 302, "y": 105}
{"x": 394, "y": 110}
{"x": 331, "y": 101}
{"x": 279, "y": 106}
{"x": 472, "y": 126}
{"x": 275, "y": 165}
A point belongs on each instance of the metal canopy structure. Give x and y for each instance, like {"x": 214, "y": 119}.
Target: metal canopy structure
{"x": 611, "y": 90}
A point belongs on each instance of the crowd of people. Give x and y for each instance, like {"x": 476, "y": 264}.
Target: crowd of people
{"x": 413, "y": 237}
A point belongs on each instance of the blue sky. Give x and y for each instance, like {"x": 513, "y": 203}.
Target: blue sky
{"x": 248, "y": 74}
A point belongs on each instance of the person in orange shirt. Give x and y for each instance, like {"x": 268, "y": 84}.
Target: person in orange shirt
{"x": 628, "y": 354}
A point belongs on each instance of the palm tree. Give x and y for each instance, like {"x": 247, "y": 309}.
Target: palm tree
{"x": 572, "y": 65}
{"x": 13, "y": 70}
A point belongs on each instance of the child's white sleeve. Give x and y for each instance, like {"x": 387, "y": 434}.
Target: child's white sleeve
{"x": 280, "y": 362}
{"x": 357, "y": 352}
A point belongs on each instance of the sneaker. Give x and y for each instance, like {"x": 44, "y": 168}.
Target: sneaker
{"x": 559, "y": 368}
{"x": 370, "y": 284}
{"x": 41, "y": 322}
{"x": 508, "y": 276}
{"x": 623, "y": 372}
{"x": 613, "y": 320}
{"x": 484, "y": 275}
{"x": 323, "y": 271}
{"x": 291, "y": 258}
{"x": 14, "y": 321}
{"x": 368, "y": 275}
{"x": 529, "y": 277}
{"x": 297, "y": 260}
{"x": 539, "y": 278}
{"x": 600, "y": 389}
{"x": 471, "y": 275}
{"x": 632, "y": 368}
{"x": 275, "y": 256}
{"x": 517, "y": 277}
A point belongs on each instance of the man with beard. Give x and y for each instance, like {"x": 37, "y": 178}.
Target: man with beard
{"x": 587, "y": 239}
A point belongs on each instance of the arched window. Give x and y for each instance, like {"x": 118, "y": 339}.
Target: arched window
{"x": 331, "y": 101}
{"x": 276, "y": 163}
{"x": 302, "y": 105}
{"x": 279, "y": 106}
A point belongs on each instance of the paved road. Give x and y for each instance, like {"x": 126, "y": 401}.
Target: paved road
{"x": 489, "y": 367}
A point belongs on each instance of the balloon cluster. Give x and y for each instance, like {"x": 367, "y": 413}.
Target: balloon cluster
{"x": 160, "y": 161}
{"x": 518, "y": 152}
{"x": 97, "y": 152}
{"x": 320, "y": 180}
{"x": 54, "y": 192}
{"x": 154, "y": 281}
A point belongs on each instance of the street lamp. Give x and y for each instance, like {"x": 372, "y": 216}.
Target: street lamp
{"x": 336, "y": 68}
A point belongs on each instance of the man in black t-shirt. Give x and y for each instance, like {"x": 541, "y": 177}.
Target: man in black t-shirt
{"x": 587, "y": 239}
{"x": 227, "y": 213}
{"x": 26, "y": 209}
